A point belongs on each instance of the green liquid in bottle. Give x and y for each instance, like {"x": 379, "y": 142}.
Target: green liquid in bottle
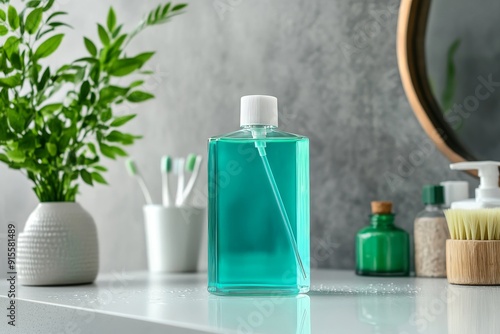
{"x": 249, "y": 248}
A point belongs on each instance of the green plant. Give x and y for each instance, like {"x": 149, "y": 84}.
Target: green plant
{"x": 450, "y": 86}
{"x": 57, "y": 122}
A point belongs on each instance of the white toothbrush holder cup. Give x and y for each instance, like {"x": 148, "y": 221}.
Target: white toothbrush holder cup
{"x": 173, "y": 237}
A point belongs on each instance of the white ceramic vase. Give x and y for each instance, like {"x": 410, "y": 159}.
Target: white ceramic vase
{"x": 173, "y": 237}
{"x": 58, "y": 246}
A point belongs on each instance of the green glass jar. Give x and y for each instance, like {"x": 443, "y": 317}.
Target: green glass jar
{"x": 382, "y": 249}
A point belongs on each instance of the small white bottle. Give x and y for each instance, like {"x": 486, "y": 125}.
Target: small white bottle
{"x": 454, "y": 191}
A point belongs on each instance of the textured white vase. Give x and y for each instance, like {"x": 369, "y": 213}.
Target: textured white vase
{"x": 58, "y": 246}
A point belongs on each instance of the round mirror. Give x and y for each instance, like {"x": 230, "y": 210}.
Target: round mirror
{"x": 449, "y": 57}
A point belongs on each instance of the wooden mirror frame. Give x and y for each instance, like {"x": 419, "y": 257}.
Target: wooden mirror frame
{"x": 412, "y": 25}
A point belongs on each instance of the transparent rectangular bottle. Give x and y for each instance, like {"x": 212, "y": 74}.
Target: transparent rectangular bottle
{"x": 250, "y": 251}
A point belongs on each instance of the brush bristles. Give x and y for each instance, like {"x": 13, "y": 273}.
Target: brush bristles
{"x": 190, "y": 162}
{"x": 475, "y": 224}
{"x": 166, "y": 164}
{"x": 131, "y": 167}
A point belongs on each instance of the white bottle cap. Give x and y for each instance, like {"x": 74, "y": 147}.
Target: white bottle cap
{"x": 259, "y": 110}
{"x": 455, "y": 191}
{"x": 488, "y": 189}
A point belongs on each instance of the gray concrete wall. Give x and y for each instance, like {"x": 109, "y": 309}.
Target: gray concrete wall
{"x": 333, "y": 67}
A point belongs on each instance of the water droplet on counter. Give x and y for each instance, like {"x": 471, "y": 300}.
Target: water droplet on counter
{"x": 370, "y": 289}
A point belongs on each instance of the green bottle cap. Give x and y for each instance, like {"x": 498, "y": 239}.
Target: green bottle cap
{"x": 433, "y": 194}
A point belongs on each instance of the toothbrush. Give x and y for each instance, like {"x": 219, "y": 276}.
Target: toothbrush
{"x": 134, "y": 171}
{"x": 193, "y": 164}
{"x": 166, "y": 168}
{"x": 179, "y": 171}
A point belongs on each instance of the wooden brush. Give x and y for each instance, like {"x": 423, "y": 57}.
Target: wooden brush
{"x": 473, "y": 252}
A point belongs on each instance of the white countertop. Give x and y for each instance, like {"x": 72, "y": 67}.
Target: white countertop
{"x": 339, "y": 302}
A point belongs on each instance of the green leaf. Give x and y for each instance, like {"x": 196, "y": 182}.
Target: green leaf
{"x": 111, "y": 22}
{"x": 50, "y": 108}
{"x": 91, "y": 148}
{"x": 59, "y": 24}
{"x": 103, "y": 35}
{"x": 87, "y": 60}
{"x": 53, "y": 15}
{"x": 157, "y": 13}
{"x": 119, "y": 121}
{"x": 49, "y": 5}
{"x": 86, "y": 177}
{"x": 55, "y": 125}
{"x": 4, "y": 158}
{"x": 450, "y": 85}
{"x": 119, "y": 151}
{"x": 15, "y": 60}
{"x": 84, "y": 91}
{"x": 144, "y": 57}
{"x": 40, "y": 34}
{"x": 13, "y": 17}
{"x": 101, "y": 168}
{"x": 3, "y": 30}
{"x": 48, "y": 46}
{"x": 33, "y": 20}
{"x": 179, "y": 7}
{"x": 51, "y": 148}
{"x": 116, "y": 136}
{"x": 44, "y": 79}
{"x": 28, "y": 142}
{"x": 91, "y": 48}
{"x": 117, "y": 31}
{"x": 106, "y": 115}
{"x": 16, "y": 121}
{"x": 98, "y": 178}
{"x": 16, "y": 156}
{"x": 3, "y": 16}
{"x": 107, "y": 151}
{"x": 123, "y": 67}
{"x": 165, "y": 9}
{"x": 11, "y": 45}
{"x": 110, "y": 93}
{"x": 5, "y": 133}
{"x": 41, "y": 153}
{"x": 33, "y": 4}
{"x": 136, "y": 83}
{"x": 65, "y": 139}
{"x": 11, "y": 82}
{"x": 115, "y": 48}
{"x": 139, "y": 96}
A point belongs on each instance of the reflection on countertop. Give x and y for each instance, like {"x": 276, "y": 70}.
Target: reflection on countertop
{"x": 339, "y": 301}
{"x": 261, "y": 314}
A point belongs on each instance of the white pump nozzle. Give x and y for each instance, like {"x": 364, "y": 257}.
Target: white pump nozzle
{"x": 488, "y": 189}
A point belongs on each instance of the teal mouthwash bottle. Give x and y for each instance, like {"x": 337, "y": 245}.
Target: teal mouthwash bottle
{"x": 258, "y": 212}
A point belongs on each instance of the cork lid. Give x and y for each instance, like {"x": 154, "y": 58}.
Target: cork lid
{"x": 381, "y": 207}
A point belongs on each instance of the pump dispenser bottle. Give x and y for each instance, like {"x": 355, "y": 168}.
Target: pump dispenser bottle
{"x": 488, "y": 192}
{"x": 258, "y": 206}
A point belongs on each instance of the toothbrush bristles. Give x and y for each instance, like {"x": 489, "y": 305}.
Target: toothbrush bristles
{"x": 134, "y": 171}
{"x": 166, "y": 164}
{"x": 131, "y": 167}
